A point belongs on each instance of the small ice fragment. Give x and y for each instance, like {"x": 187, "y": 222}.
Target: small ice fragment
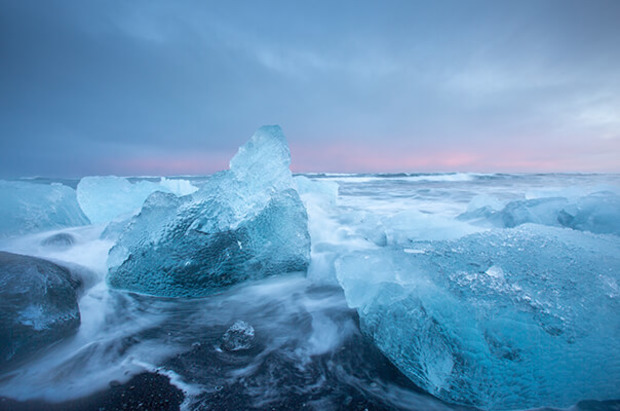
{"x": 239, "y": 336}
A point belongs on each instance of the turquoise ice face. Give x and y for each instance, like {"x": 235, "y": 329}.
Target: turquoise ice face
{"x": 505, "y": 319}
{"x": 244, "y": 223}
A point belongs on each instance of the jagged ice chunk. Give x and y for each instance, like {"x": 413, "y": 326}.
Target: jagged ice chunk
{"x": 512, "y": 318}
{"x": 239, "y": 337}
{"x": 32, "y": 207}
{"x": 244, "y": 223}
{"x": 104, "y": 198}
{"x": 597, "y": 212}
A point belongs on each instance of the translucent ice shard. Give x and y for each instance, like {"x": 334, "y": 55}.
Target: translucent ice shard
{"x": 31, "y": 207}
{"x": 240, "y": 336}
{"x": 104, "y": 198}
{"x": 597, "y": 212}
{"x": 506, "y": 319}
{"x": 325, "y": 192}
{"x": 247, "y": 222}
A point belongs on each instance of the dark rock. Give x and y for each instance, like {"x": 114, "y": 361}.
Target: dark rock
{"x": 146, "y": 391}
{"x": 38, "y": 305}
{"x": 60, "y": 240}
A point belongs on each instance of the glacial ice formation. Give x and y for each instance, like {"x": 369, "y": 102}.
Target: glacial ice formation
{"x": 32, "y": 207}
{"x": 503, "y": 319}
{"x": 38, "y": 305}
{"x": 597, "y": 212}
{"x": 104, "y": 198}
{"x": 247, "y": 222}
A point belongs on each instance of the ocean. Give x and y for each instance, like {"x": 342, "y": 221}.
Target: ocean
{"x": 436, "y": 291}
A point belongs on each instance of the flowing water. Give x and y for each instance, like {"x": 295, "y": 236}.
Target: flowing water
{"x": 306, "y": 350}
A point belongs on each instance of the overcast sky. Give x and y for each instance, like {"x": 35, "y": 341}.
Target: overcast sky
{"x": 152, "y": 87}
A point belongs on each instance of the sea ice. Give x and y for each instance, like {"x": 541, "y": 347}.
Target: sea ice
{"x": 411, "y": 225}
{"x": 322, "y": 191}
{"x": 240, "y": 336}
{"x": 38, "y": 305}
{"x": 597, "y": 212}
{"x": 247, "y": 222}
{"x": 504, "y": 319}
{"x": 104, "y": 198}
{"x": 32, "y": 207}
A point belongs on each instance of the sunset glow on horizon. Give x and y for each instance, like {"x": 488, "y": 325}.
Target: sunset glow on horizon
{"x": 339, "y": 158}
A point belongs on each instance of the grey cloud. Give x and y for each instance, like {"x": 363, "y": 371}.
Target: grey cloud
{"x": 83, "y": 82}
